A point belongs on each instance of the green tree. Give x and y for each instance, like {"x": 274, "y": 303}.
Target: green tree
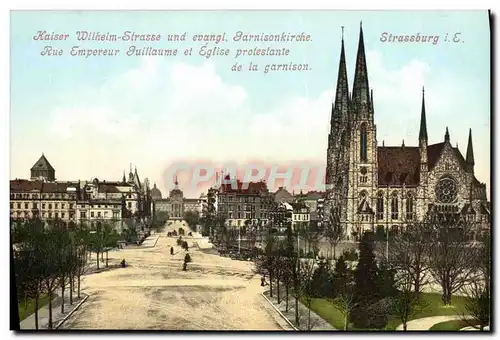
{"x": 365, "y": 274}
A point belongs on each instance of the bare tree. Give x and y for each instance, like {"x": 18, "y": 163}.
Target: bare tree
{"x": 346, "y": 301}
{"x": 334, "y": 231}
{"x": 307, "y": 288}
{"x": 343, "y": 296}
{"x": 478, "y": 292}
{"x": 265, "y": 263}
{"x": 450, "y": 253}
{"x": 407, "y": 254}
{"x": 407, "y": 303}
{"x": 29, "y": 258}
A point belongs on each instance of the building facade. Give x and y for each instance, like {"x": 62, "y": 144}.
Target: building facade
{"x": 374, "y": 186}
{"x": 243, "y": 203}
{"x": 86, "y": 202}
{"x": 175, "y": 204}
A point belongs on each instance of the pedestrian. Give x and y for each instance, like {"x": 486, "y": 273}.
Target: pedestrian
{"x": 171, "y": 250}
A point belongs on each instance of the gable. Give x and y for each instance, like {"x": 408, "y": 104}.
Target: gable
{"x": 398, "y": 165}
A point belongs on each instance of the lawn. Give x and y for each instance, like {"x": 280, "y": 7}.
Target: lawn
{"x": 433, "y": 306}
{"x": 30, "y": 306}
{"x": 452, "y": 325}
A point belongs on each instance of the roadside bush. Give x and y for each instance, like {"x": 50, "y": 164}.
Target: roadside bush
{"x": 350, "y": 255}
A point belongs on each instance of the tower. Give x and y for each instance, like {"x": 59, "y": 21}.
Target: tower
{"x": 422, "y": 150}
{"x": 363, "y": 147}
{"x": 469, "y": 158}
{"x": 338, "y": 138}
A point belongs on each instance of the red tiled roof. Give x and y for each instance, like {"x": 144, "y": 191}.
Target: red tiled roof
{"x": 398, "y": 165}
{"x": 42, "y": 164}
{"x": 243, "y": 188}
{"x": 433, "y": 153}
{"x": 23, "y": 185}
{"x": 108, "y": 188}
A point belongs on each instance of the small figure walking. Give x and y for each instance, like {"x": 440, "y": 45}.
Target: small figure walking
{"x": 263, "y": 281}
{"x": 123, "y": 263}
{"x": 171, "y": 250}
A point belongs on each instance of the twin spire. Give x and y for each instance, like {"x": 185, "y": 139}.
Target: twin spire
{"x": 361, "y": 92}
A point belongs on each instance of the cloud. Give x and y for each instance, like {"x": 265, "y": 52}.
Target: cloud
{"x": 160, "y": 112}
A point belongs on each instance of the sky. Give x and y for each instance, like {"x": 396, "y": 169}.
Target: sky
{"x": 92, "y": 117}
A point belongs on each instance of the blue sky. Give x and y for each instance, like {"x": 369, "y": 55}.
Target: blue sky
{"x": 93, "y": 116}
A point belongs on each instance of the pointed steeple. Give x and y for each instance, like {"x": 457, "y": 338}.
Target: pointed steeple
{"x": 371, "y": 99}
{"x": 422, "y": 135}
{"x": 360, "y": 94}
{"x": 470, "y": 152}
{"x": 340, "y": 107}
{"x": 124, "y": 179}
{"x": 447, "y": 135}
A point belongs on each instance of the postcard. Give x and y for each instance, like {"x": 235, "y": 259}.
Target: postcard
{"x": 250, "y": 170}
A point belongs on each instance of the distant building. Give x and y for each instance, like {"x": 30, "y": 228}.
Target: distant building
{"x": 244, "y": 203}
{"x": 175, "y": 204}
{"x": 86, "y": 202}
{"x": 282, "y": 195}
{"x": 42, "y": 170}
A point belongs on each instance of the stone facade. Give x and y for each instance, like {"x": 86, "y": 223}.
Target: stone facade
{"x": 86, "y": 202}
{"x": 175, "y": 204}
{"x": 374, "y": 186}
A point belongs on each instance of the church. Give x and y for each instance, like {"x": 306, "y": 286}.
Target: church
{"x": 375, "y": 187}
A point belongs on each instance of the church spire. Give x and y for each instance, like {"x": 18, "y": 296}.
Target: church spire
{"x": 124, "y": 179}
{"x": 422, "y": 136}
{"x": 342, "y": 94}
{"x": 447, "y": 135}
{"x": 360, "y": 94}
{"x": 470, "y": 152}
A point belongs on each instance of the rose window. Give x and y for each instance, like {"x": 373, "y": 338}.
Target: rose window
{"x": 446, "y": 190}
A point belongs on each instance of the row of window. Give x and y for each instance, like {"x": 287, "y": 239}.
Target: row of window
{"x": 301, "y": 217}
{"x": 235, "y": 199}
{"x": 83, "y": 215}
{"x": 34, "y": 205}
{"x": 99, "y": 206}
{"x": 26, "y": 214}
{"x": 43, "y": 196}
{"x": 395, "y": 207}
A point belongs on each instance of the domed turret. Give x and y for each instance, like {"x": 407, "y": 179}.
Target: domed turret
{"x": 155, "y": 193}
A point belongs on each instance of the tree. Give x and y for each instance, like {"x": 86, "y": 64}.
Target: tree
{"x": 29, "y": 259}
{"x": 266, "y": 262}
{"x": 53, "y": 241}
{"x": 334, "y": 231}
{"x": 450, "y": 253}
{"x": 307, "y": 288}
{"x": 322, "y": 280}
{"x": 408, "y": 253}
{"x": 406, "y": 303}
{"x": 365, "y": 274}
{"x": 82, "y": 242}
{"x": 192, "y": 218}
{"x": 478, "y": 292}
{"x": 343, "y": 296}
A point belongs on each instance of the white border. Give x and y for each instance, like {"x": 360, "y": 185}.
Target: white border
{"x": 8, "y": 5}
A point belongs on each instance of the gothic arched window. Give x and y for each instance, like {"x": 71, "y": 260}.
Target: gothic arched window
{"x": 380, "y": 205}
{"x": 409, "y": 206}
{"x": 363, "y": 143}
{"x": 394, "y": 206}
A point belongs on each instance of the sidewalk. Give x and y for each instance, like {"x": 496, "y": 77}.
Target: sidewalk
{"x": 57, "y": 316}
{"x": 317, "y": 322}
{"x": 424, "y": 324}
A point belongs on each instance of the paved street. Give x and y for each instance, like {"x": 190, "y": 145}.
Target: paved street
{"x": 153, "y": 292}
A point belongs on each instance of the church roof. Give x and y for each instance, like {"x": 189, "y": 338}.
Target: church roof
{"x": 42, "y": 164}
{"x": 398, "y": 165}
{"x": 435, "y": 150}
